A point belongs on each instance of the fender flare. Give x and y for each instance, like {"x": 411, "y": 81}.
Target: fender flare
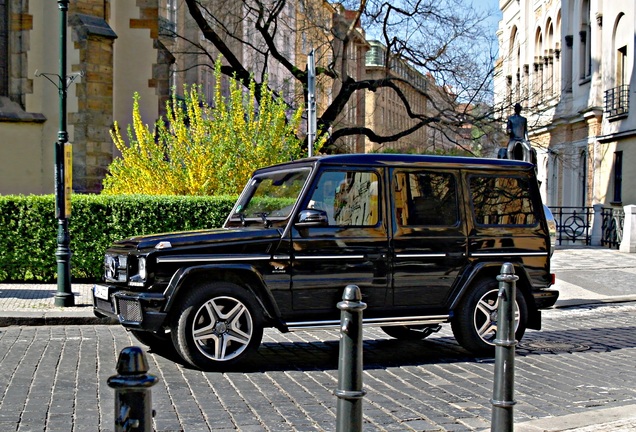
{"x": 259, "y": 289}
{"x": 494, "y": 268}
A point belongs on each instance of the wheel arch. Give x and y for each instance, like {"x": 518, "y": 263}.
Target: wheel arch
{"x": 245, "y": 276}
{"x": 491, "y": 270}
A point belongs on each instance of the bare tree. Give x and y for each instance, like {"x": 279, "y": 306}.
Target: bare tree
{"x": 444, "y": 41}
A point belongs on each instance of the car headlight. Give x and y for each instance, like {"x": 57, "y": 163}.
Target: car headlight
{"x": 138, "y": 279}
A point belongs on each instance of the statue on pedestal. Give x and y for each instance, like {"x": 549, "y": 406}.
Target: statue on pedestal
{"x": 519, "y": 147}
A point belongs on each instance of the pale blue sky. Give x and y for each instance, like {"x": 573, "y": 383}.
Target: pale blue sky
{"x": 492, "y": 7}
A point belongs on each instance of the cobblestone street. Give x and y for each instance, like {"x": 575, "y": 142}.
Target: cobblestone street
{"x": 54, "y": 378}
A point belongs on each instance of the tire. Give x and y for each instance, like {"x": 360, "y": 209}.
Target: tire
{"x": 475, "y": 322}
{"x": 154, "y": 340}
{"x": 217, "y": 325}
{"x": 416, "y": 332}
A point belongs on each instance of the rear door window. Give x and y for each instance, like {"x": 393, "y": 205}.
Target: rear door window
{"x": 425, "y": 198}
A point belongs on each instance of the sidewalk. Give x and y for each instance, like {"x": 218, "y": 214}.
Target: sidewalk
{"x": 34, "y": 304}
{"x": 585, "y": 276}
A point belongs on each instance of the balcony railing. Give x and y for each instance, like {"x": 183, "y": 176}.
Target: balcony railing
{"x": 617, "y": 101}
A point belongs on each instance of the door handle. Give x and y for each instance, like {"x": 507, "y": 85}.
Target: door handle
{"x": 455, "y": 255}
{"x": 375, "y": 257}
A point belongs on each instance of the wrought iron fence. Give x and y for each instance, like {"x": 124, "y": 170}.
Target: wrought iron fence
{"x": 574, "y": 224}
{"x": 613, "y": 220}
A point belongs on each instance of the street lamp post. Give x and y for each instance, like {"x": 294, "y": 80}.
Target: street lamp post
{"x": 63, "y": 170}
{"x": 64, "y": 295}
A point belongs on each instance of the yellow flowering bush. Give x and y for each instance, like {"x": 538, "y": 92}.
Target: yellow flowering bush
{"x": 203, "y": 149}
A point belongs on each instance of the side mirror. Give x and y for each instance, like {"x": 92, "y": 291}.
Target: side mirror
{"x": 312, "y": 218}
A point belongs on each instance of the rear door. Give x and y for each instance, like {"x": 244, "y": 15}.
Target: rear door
{"x": 429, "y": 242}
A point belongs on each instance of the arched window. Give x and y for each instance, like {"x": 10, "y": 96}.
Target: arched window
{"x": 585, "y": 35}
{"x": 557, "y": 57}
{"x": 621, "y": 51}
{"x": 515, "y": 65}
{"x": 549, "y": 59}
{"x": 538, "y": 80}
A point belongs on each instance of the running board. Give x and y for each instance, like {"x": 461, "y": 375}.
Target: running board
{"x": 371, "y": 322}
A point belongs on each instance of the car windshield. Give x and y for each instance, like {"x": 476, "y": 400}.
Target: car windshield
{"x": 271, "y": 195}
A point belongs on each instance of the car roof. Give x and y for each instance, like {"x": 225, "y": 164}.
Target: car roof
{"x": 385, "y": 159}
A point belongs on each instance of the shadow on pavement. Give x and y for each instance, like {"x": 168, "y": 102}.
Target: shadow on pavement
{"x": 28, "y": 294}
{"x": 383, "y": 353}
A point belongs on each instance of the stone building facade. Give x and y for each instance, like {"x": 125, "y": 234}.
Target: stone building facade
{"x": 113, "y": 50}
{"x": 570, "y": 64}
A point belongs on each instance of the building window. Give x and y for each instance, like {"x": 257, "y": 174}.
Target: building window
{"x": 621, "y": 66}
{"x": 583, "y": 177}
{"x": 172, "y": 11}
{"x": 4, "y": 48}
{"x": 586, "y": 42}
{"x": 168, "y": 19}
{"x": 618, "y": 176}
{"x": 553, "y": 179}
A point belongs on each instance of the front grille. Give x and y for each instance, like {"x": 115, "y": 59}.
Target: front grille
{"x": 129, "y": 310}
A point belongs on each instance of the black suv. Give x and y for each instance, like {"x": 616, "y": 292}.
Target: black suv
{"x": 424, "y": 238}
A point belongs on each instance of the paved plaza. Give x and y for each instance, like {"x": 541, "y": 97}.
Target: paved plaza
{"x": 575, "y": 374}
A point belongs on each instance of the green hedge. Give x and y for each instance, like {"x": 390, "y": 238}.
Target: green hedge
{"x": 28, "y": 229}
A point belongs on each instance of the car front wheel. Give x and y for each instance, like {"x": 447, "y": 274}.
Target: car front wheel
{"x": 475, "y": 322}
{"x": 217, "y": 325}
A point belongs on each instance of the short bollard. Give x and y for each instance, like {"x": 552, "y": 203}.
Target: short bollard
{"x": 133, "y": 400}
{"x": 502, "y": 400}
{"x": 349, "y": 392}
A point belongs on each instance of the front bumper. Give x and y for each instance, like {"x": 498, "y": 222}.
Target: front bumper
{"x": 133, "y": 309}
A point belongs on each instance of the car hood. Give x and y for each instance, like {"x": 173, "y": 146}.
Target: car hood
{"x": 197, "y": 238}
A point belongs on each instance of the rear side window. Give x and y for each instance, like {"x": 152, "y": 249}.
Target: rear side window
{"x": 501, "y": 201}
{"x": 425, "y": 198}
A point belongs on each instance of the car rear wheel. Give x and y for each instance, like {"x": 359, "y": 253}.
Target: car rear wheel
{"x": 217, "y": 325}
{"x": 414, "y": 332}
{"x": 475, "y": 322}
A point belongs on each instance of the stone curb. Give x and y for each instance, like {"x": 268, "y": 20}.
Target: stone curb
{"x": 52, "y": 318}
{"x": 560, "y": 304}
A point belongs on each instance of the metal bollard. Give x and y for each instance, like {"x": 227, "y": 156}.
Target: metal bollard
{"x": 349, "y": 392}
{"x": 502, "y": 400}
{"x": 133, "y": 399}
